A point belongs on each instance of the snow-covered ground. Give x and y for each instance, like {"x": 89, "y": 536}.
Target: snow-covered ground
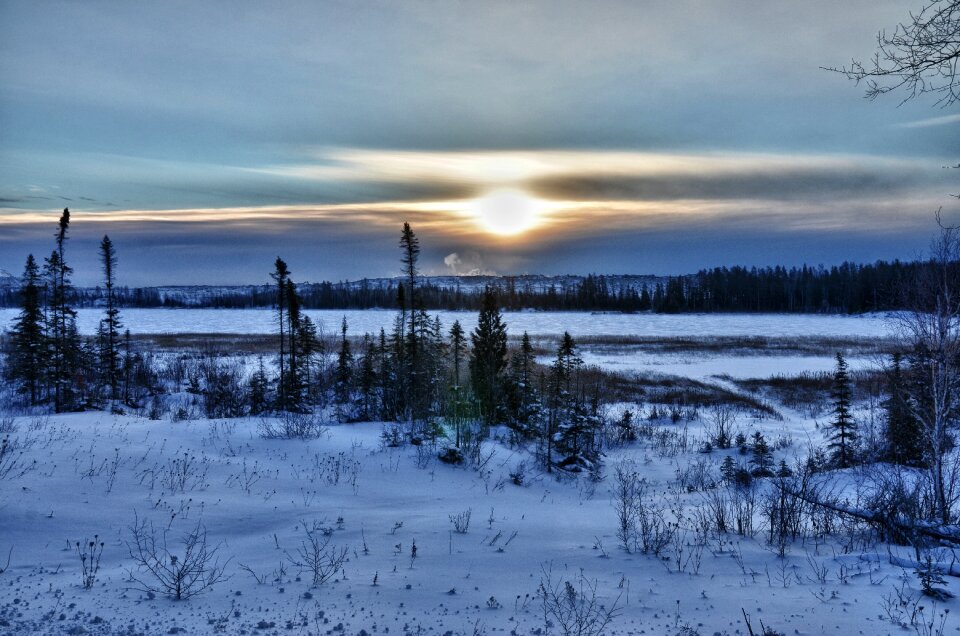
{"x": 579, "y": 324}
{"x": 704, "y": 366}
{"x": 97, "y": 473}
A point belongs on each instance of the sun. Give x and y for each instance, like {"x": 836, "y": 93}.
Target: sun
{"x": 507, "y": 211}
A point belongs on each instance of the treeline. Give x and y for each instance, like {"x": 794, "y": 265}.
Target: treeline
{"x": 847, "y": 288}
{"x": 47, "y": 359}
{"x": 440, "y": 391}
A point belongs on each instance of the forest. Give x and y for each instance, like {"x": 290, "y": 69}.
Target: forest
{"x": 848, "y": 288}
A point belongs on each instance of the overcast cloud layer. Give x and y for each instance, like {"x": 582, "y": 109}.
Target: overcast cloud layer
{"x": 206, "y": 138}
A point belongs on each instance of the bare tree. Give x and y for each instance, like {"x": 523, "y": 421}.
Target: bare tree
{"x": 161, "y": 571}
{"x": 930, "y": 331}
{"x": 920, "y": 56}
{"x": 573, "y": 606}
{"x": 316, "y": 556}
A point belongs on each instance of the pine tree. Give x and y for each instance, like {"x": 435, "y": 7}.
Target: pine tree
{"x": 28, "y": 359}
{"x": 344, "y": 372}
{"x": 294, "y": 386}
{"x": 279, "y": 276}
{"x": 410, "y": 247}
{"x": 562, "y": 397}
{"x": 64, "y": 341}
{"x": 368, "y": 379}
{"x": 110, "y": 325}
{"x": 457, "y": 407}
{"x": 488, "y": 359}
{"x": 522, "y": 393}
{"x": 575, "y": 422}
{"x": 844, "y": 428}
{"x": 458, "y": 344}
{"x": 258, "y": 389}
{"x": 762, "y": 459}
{"x": 903, "y": 435}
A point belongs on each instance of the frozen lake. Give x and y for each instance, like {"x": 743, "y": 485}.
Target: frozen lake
{"x": 261, "y": 321}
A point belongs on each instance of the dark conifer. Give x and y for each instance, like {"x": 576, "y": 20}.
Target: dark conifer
{"x": 762, "y": 459}
{"x": 903, "y": 434}
{"x": 488, "y": 359}
{"x": 344, "y": 371}
{"x": 279, "y": 276}
{"x": 64, "y": 341}
{"x": 28, "y": 358}
{"x": 843, "y": 427}
{"x": 110, "y": 325}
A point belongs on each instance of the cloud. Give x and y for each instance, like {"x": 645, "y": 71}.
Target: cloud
{"x": 470, "y": 264}
{"x": 614, "y": 175}
{"x": 932, "y": 121}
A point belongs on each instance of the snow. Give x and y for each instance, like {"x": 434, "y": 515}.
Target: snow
{"x": 449, "y": 585}
{"x": 704, "y": 366}
{"x": 579, "y": 324}
{"x": 96, "y": 472}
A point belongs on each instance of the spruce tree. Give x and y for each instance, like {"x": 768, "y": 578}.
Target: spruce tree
{"x": 279, "y": 276}
{"x": 562, "y": 395}
{"x": 294, "y": 386}
{"x": 456, "y": 407}
{"x": 28, "y": 358}
{"x": 458, "y": 344}
{"x": 522, "y": 394}
{"x": 488, "y": 358}
{"x": 64, "y": 341}
{"x": 258, "y": 389}
{"x": 574, "y": 422}
{"x": 410, "y": 247}
{"x": 110, "y": 325}
{"x": 844, "y": 432}
{"x": 344, "y": 372}
{"x": 762, "y": 459}
{"x": 368, "y": 379}
{"x": 903, "y": 435}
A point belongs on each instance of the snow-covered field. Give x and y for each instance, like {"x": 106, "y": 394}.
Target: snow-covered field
{"x": 97, "y": 473}
{"x": 579, "y": 324}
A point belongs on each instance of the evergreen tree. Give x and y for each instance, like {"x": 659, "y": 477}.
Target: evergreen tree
{"x": 522, "y": 392}
{"x": 64, "y": 341}
{"x": 258, "y": 389}
{"x": 562, "y": 395}
{"x": 301, "y": 349}
{"x": 410, "y": 247}
{"x": 28, "y": 358}
{"x": 844, "y": 432}
{"x": 903, "y": 434}
{"x": 488, "y": 359}
{"x": 344, "y": 372}
{"x": 110, "y": 325}
{"x": 457, "y": 407}
{"x": 576, "y": 422}
{"x": 279, "y": 276}
{"x": 458, "y": 343}
{"x": 762, "y": 459}
{"x": 368, "y": 379}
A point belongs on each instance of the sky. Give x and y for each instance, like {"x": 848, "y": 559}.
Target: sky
{"x": 208, "y": 138}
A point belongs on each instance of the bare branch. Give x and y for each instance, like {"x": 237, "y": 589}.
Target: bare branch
{"x": 920, "y": 56}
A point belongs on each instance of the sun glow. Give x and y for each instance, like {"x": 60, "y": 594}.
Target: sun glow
{"x": 507, "y": 211}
